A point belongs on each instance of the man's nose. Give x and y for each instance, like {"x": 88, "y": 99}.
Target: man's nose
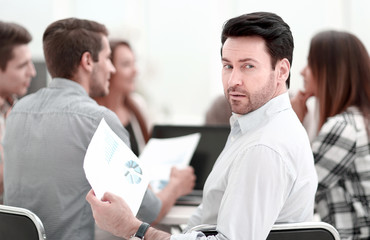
{"x": 235, "y": 78}
{"x": 31, "y": 70}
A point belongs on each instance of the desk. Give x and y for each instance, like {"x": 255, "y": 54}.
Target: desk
{"x": 178, "y": 215}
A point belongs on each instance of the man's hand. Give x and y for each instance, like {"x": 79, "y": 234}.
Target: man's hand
{"x": 113, "y": 215}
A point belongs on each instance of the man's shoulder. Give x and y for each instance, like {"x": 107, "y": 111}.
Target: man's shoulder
{"x": 25, "y": 101}
{"x": 60, "y": 103}
{"x": 48, "y": 97}
{"x": 285, "y": 134}
{"x": 284, "y": 124}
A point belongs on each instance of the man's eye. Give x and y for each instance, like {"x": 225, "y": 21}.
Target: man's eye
{"x": 249, "y": 66}
{"x": 227, "y": 66}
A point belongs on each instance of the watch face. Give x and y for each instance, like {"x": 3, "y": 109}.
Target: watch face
{"x": 134, "y": 238}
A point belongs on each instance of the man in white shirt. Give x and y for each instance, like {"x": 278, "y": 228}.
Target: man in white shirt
{"x": 265, "y": 174}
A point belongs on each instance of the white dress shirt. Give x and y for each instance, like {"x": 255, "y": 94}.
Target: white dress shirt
{"x": 265, "y": 175}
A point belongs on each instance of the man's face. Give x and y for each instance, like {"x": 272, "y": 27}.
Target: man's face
{"x": 102, "y": 70}
{"x": 18, "y": 73}
{"x": 248, "y": 78}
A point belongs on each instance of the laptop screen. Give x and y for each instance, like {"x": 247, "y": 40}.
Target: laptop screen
{"x": 211, "y": 143}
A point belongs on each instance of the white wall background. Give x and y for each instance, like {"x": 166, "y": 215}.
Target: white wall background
{"x": 177, "y": 42}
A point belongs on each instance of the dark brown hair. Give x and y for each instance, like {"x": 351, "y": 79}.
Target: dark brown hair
{"x": 66, "y": 40}
{"x": 11, "y": 35}
{"x": 340, "y": 64}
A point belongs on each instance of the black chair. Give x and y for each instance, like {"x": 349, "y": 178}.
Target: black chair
{"x": 20, "y": 224}
{"x": 288, "y": 231}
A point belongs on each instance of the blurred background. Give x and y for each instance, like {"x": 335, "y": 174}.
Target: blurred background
{"x": 177, "y": 42}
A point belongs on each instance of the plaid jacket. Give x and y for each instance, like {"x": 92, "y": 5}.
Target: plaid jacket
{"x": 342, "y": 159}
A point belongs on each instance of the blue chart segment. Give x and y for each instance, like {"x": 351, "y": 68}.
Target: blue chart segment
{"x": 133, "y": 173}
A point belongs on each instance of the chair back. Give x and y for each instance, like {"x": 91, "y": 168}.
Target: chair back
{"x": 20, "y": 223}
{"x": 303, "y": 231}
{"x": 288, "y": 231}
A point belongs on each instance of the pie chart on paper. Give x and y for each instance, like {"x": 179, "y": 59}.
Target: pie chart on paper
{"x": 133, "y": 173}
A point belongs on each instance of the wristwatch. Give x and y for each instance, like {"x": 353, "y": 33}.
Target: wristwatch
{"x": 140, "y": 232}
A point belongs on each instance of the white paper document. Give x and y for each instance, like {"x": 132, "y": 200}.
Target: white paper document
{"x": 111, "y": 166}
{"x": 160, "y": 155}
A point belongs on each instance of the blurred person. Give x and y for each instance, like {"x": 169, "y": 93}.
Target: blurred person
{"x": 219, "y": 112}
{"x": 48, "y": 133}
{"x": 338, "y": 75}
{"x": 265, "y": 174}
{"x": 16, "y": 72}
{"x": 129, "y": 106}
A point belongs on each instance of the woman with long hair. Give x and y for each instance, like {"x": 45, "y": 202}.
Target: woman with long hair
{"x": 338, "y": 74}
{"x": 122, "y": 99}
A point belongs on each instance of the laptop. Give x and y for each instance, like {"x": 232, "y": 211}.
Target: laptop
{"x": 211, "y": 143}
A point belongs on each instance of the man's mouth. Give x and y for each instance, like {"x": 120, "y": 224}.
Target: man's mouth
{"x": 236, "y": 95}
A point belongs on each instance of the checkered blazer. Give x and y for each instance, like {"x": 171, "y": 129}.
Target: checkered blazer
{"x": 342, "y": 159}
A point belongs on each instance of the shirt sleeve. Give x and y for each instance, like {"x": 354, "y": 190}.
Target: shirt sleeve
{"x": 334, "y": 150}
{"x": 195, "y": 218}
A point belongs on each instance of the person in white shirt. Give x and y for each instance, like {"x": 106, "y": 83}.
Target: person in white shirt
{"x": 265, "y": 174}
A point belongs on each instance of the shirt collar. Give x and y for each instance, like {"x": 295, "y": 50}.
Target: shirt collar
{"x": 7, "y": 103}
{"x": 261, "y": 115}
{"x": 66, "y": 83}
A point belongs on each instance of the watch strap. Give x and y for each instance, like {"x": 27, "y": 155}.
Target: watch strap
{"x": 142, "y": 230}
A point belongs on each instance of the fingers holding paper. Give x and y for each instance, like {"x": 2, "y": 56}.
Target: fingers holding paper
{"x": 111, "y": 213}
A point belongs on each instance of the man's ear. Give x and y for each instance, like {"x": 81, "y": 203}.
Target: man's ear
{"x": 86, "y": 61}
{"x": 283, "y": 68}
